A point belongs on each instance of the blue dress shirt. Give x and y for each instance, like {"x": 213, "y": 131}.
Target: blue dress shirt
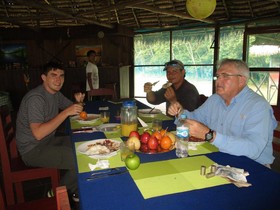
{"x": 245, "y": 127}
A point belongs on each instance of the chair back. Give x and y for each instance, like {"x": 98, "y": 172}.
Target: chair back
{"x": 101, "y": 92}
{"x": 14, "y": 171}
{"x": 8, "y": 149}
{"x": 2, "y": 200}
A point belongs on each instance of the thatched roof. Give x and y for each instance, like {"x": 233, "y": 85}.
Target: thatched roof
{"x": 134, "y": 14}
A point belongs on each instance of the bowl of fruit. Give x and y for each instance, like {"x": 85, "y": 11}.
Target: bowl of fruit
{"x": 152, "y": 142}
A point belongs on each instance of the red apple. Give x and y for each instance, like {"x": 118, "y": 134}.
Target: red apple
{"x": 145, "y": 137}
{"x": 152, "y": 151}
{"x": 134, "y": 133}
{"x": 144, "y": 148}
{"x": 153, "y": 143}
{"x": 132, "y": 161}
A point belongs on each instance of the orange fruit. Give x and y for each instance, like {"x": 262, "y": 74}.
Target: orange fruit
{"x": 165, "y": 142}
{"x": 157, "y": 135}
{"x": 163, "y": 132}
{"x": 83, "y": 115}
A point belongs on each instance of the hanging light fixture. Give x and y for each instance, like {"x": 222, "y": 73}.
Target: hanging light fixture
{"x": 200, "y": 9}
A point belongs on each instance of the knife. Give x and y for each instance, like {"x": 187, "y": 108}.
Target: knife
{"x": 142, "y": 122}
{"x": 104, "y": 175}
{"x": 153, "y": 84}
{"x": 84, "y": 130}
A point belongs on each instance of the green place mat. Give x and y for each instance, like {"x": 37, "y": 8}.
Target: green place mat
{"x": 203, "y": 148}
{"x": 158, "y": 116}
{"x": 83, "y": 160}
{"x": 174, "y": 176}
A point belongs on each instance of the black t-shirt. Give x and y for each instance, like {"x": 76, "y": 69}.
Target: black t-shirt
{"x": 187, "y": 95}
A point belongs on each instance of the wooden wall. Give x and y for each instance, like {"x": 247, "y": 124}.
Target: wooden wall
{"x": 59, "y": 44}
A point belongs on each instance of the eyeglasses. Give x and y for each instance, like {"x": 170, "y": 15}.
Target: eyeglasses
{"x": 226, "y": 76}
{"x": 173, "y": 64}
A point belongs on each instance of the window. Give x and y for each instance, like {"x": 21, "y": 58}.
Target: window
{"x": 263, "y": 57}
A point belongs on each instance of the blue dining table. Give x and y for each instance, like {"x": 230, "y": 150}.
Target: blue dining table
{"x": 121, "y": 192}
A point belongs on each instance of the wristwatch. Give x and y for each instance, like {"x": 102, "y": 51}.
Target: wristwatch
{"x": 209, "y": 136}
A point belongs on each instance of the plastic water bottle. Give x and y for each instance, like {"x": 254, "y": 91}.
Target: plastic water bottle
{"x": 182, "y": 137}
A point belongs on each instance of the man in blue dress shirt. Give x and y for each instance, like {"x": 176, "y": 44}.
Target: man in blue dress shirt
{"x": 235, "y": 119}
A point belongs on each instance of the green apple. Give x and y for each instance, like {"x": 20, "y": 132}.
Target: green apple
{"x": 132, "y": 161}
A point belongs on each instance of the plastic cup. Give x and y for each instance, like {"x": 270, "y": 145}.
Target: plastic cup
{"x": 105, "y": 116}
{"x": 126, "y": 150}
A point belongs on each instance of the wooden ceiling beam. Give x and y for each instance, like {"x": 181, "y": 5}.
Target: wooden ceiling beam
{"x": 168, "y": 12}
{"x": 49, "y": 8}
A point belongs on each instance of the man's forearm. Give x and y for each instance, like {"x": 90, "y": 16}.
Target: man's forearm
{"x": 151, "y": 97}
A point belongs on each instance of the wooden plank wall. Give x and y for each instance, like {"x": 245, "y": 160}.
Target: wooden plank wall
{"x": 59, "y": 44}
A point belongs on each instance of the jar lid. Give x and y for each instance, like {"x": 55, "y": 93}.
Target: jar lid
{"x": 129, "y": 103}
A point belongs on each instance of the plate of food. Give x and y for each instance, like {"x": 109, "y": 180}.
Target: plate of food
{"x": 148, "y": 112}
{"x": 100, "y": 148}
{"x": 109, "y": 127}
{"x": 91, "y": 118}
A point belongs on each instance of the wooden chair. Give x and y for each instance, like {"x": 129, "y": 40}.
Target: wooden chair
{"x": 62, "y": 199}
{"x": 101, "y": 92}
{"x": 13, "y": 168}
{"x": 41, "y": 204}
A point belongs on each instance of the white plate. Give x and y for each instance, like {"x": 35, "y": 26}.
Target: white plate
{"x": 109, "y": 127}
{"x": 145, "y": 112}
{"x": 91, "y": 118}
{"x": 84, "y": 148}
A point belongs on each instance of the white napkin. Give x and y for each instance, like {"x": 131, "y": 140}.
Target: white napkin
{"x": 99, "y": 164}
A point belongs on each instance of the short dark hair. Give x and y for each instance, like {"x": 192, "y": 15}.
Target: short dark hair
{"x": 51, "y": 66}
{"x": 90, "y": 52}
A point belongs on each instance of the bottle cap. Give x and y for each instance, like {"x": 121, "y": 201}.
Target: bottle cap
{"x": 129, "y": 103}
{"x": 183, "y": 116}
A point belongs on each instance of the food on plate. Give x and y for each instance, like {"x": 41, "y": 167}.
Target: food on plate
{"x": 83, "y": 115}
{"x": 132, "y": 161}
{"x": 102, "y": 148}
{"x": 166, "y": 85}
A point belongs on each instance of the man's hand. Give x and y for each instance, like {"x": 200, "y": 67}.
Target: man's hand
{"x": 79, "y": 97}
{"x": 197, "y": 129}
{"x": 148, "y": 87}
{"x": 175, "y": 109}
{"x": 74, "y": 109}
{"x": 170, "y": 95}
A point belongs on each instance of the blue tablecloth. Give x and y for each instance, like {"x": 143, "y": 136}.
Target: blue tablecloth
{"x": 120, "y": 192}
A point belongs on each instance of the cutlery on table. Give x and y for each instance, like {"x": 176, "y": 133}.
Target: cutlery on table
{"x": 106, "y": 173}
{"x": 85, "y": 130}
{"x": 151, "y": 110}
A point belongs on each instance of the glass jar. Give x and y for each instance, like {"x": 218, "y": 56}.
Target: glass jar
{"x": 128, "y": 117}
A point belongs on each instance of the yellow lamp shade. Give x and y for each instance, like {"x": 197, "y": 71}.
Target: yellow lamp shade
{"x": 200, "y": 9}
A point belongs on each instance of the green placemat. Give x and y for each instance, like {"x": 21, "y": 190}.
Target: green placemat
{"x": 83, "y": 160}
{"x": 173, "y": 176}
{"x": 203, "y": 148}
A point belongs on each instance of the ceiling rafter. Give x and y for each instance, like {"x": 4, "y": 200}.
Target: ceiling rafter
{"x": 251, "y": 9}
{"x": 135, "y": 18}
{"x": 49, "y": 8}
{"x": 168, "y": 12}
